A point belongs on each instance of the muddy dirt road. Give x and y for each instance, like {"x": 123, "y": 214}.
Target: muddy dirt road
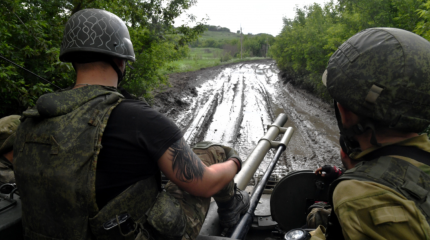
{"x": 233, "y": 104}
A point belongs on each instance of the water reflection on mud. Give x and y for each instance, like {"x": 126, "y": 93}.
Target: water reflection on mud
{"x": 236, "y": 105}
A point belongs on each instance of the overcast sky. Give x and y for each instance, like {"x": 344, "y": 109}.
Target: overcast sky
{"x": 255, "y": 16}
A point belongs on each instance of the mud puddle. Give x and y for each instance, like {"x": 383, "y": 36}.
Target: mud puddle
{"x": 234, "y": 104}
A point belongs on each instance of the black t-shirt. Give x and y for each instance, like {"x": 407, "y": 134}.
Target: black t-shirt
{"x": 136, "y": 136}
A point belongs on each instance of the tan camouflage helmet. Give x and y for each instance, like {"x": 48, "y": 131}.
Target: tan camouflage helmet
{"x": 383, "y": 74}
{"x": 8, "y": 126}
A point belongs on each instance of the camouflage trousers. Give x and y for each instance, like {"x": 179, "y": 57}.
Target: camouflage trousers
{"x": 195, "y": 208}
{"x": 319, "y": 215}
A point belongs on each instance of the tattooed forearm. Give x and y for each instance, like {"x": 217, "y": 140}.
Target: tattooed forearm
{"x": 187, "y": 165}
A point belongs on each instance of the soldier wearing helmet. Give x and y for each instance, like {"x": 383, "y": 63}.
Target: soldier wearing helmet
{"x": 380, "y": 81}
{"x": 8, "y": 126}
{"x": 88, "y": 159}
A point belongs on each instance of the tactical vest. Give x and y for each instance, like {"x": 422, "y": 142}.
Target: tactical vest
{"x": 56, "y": 154}
{"x": 397, "y": 174}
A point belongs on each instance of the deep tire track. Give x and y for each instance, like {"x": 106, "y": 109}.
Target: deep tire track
{"x": 234, "y": 104}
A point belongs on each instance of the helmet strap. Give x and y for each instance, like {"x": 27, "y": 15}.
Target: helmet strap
{"x": 116, "y": 68}
{"x": 121, "y": 75}
{"x": 89, "y": 57}
{"x": 347, "y": 135}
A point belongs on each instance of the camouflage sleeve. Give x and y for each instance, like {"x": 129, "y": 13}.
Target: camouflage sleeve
{"x": 368, "y": 210}
{"x": 185, "y": 162}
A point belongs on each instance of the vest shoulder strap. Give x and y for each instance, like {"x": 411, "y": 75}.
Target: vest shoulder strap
{"x": 405, "y": 151}
{"x": 397, "y": 174}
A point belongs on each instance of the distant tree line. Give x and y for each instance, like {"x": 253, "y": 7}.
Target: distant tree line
{"x": 308, "y": 40}
{"x": 253, "y": 45}
{"x": 216, "y": 28}
{"x": 31, "y": 34}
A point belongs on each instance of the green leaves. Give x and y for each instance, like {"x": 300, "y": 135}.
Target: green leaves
{"x": 423, "y": 26}
{"x": 306, "y": 42}
{"x": 31, "y": 34}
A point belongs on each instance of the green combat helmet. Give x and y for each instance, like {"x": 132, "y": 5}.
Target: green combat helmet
{"x": 8, "y": 126}
{"x": 383, "y": 76}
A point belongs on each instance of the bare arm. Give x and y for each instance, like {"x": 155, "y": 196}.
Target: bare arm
{"x": 185, "y": 169}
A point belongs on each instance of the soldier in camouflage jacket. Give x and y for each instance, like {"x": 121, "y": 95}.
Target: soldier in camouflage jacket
{"x": 8, "y": 126}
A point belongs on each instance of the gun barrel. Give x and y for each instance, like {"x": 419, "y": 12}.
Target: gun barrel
{"x": 245, "y": 222}
{"x": 256, "y": 157}
{"x": 211, "y": 225}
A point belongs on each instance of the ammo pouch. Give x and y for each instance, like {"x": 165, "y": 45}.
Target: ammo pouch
{"x": 124, "y": 216}
{"x": 167, "y": 217}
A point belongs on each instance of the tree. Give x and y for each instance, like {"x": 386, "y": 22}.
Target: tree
{"x": 31, "y": 34}
{"x": 306, "y": 42}
{"x": 423, "y": 26}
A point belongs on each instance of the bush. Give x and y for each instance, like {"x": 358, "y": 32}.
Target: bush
{"x": 226, "y": 57}
{"x": 306, "y": 42}
{"x": 31, "y": 35}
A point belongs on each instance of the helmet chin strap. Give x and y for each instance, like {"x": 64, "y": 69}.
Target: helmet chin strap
{"x": 121, "y": 75}
{"x": 97, "y": 57}
{"x": 347, "y": 135}
{"x": 116, "y": 68}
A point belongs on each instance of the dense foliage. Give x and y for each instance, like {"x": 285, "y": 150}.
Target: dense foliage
{"x": 31, "y": 33}
{"x": 252, "y": 45}
{"x": 217, "y": 28}
{"x": 306, "y": 42}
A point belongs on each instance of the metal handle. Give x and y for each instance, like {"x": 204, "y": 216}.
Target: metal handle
{"x": 256, "y": 157}
{"x": 245, "y": 222}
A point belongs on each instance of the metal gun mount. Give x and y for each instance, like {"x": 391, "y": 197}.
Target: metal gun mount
{"x": 264, "y": 145}
{"x": 211, "y": 228}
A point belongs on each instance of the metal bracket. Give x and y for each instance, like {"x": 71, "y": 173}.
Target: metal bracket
{"x": 281, "y": 129}
{"x": 284, "y": 140}
{"x": 273, "y": 144}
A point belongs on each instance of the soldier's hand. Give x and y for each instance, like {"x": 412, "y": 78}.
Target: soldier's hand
{"x": 329, "y": 172}
{"x": 231, "y": 153}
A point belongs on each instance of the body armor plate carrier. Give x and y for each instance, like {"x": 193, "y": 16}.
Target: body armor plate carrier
{"x": 397, "y": 174}
{"x": 56, "y": 154}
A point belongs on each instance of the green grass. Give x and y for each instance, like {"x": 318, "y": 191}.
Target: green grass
{"x": 205, "y": 53}
{"x": 205, "y": 57}
{"x": 190, "y": 65}
{"x": 237, "y": 60}
{"x": 213, "y": 35}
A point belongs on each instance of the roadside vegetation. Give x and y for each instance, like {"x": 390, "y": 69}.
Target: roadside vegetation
{"x": 31, "y": 34}
{"x": 218, "y": 45}
{"x": 307, "y": 41}
{"x": 199, "y": 58}
{"x": 212, "y": 34}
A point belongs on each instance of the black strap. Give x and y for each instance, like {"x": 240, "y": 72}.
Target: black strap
{"x": 126, "y": 94}
{"x": 404, "y": 151}
{"x": 334, "y": 229}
